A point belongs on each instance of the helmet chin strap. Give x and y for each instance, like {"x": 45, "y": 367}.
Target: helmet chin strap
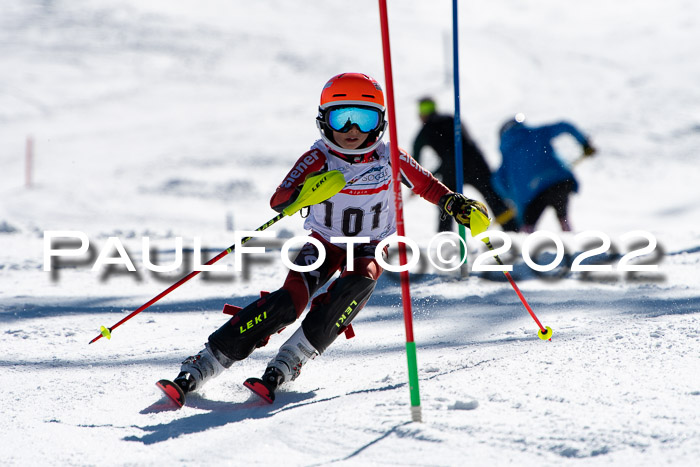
{"x": 351, "y": 152}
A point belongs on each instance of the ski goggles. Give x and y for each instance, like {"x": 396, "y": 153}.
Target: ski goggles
{"x": 341, "y": 119}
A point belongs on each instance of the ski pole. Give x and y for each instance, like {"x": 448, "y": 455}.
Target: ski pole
{"x": 479, "y": 223}
{"x": 316, "y": 188}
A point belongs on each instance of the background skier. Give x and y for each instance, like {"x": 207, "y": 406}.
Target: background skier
{"x": 438, "y": 133}
{"x": 532, "y": 175}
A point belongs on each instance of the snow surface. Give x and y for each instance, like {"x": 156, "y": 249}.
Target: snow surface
{"x": 166, "y": 119}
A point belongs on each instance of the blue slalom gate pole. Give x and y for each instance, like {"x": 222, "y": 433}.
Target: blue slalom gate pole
{"x": 459, "y": 167}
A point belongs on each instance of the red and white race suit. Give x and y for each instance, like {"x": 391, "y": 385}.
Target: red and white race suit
{"x": 365, "y": 207}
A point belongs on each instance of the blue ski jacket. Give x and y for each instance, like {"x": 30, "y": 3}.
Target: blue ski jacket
{"x": 530, "y": 165}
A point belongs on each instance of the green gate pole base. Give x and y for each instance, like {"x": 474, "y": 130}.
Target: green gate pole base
{"x": 413, "y": 381}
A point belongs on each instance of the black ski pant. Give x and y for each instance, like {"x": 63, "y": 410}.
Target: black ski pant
{"x": 330, "y": 314}
{"x": 556, "y": 196}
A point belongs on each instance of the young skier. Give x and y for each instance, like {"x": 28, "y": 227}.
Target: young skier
{"x": 351, "y": 122}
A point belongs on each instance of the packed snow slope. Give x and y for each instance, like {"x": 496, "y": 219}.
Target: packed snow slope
{"x": 169, "y": 119}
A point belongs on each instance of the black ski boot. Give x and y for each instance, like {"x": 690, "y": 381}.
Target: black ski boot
{"x": 265, "y": 387}
{"x": 194, "y": 372}
{"x": 178, "y": 388}
{"x": 186, "y": 382}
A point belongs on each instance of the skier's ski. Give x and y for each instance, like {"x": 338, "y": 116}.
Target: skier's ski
{"x": 260, "y": 389}
{"x": 173, "y": 391}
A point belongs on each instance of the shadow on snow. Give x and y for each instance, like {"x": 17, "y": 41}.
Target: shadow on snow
{"x": 219, "y": 414}
{"x": 499, "y": 305}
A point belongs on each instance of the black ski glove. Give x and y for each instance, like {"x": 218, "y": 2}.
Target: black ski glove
{"x": 588, "y": 150}
{"x": 460, "y": 207}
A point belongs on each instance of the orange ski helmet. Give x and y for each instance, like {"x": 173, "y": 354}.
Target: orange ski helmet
{"x": 352, "y": 90}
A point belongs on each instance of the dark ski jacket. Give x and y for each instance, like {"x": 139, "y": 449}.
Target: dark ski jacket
{"x": 438, "y": 133}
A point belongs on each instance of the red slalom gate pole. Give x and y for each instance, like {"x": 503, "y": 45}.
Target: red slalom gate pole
{"x": 400, "y": 230}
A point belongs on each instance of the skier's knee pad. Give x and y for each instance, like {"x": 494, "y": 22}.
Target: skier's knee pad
{"x": 241, "y": 334}
{"x": 332, "y": 311}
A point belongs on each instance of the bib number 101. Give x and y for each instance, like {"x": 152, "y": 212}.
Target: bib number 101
{"x": 352, "y": 219}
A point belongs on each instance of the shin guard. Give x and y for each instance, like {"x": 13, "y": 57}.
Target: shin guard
{"x": 254, "y": 324}
{"x": 332, "y": 311}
